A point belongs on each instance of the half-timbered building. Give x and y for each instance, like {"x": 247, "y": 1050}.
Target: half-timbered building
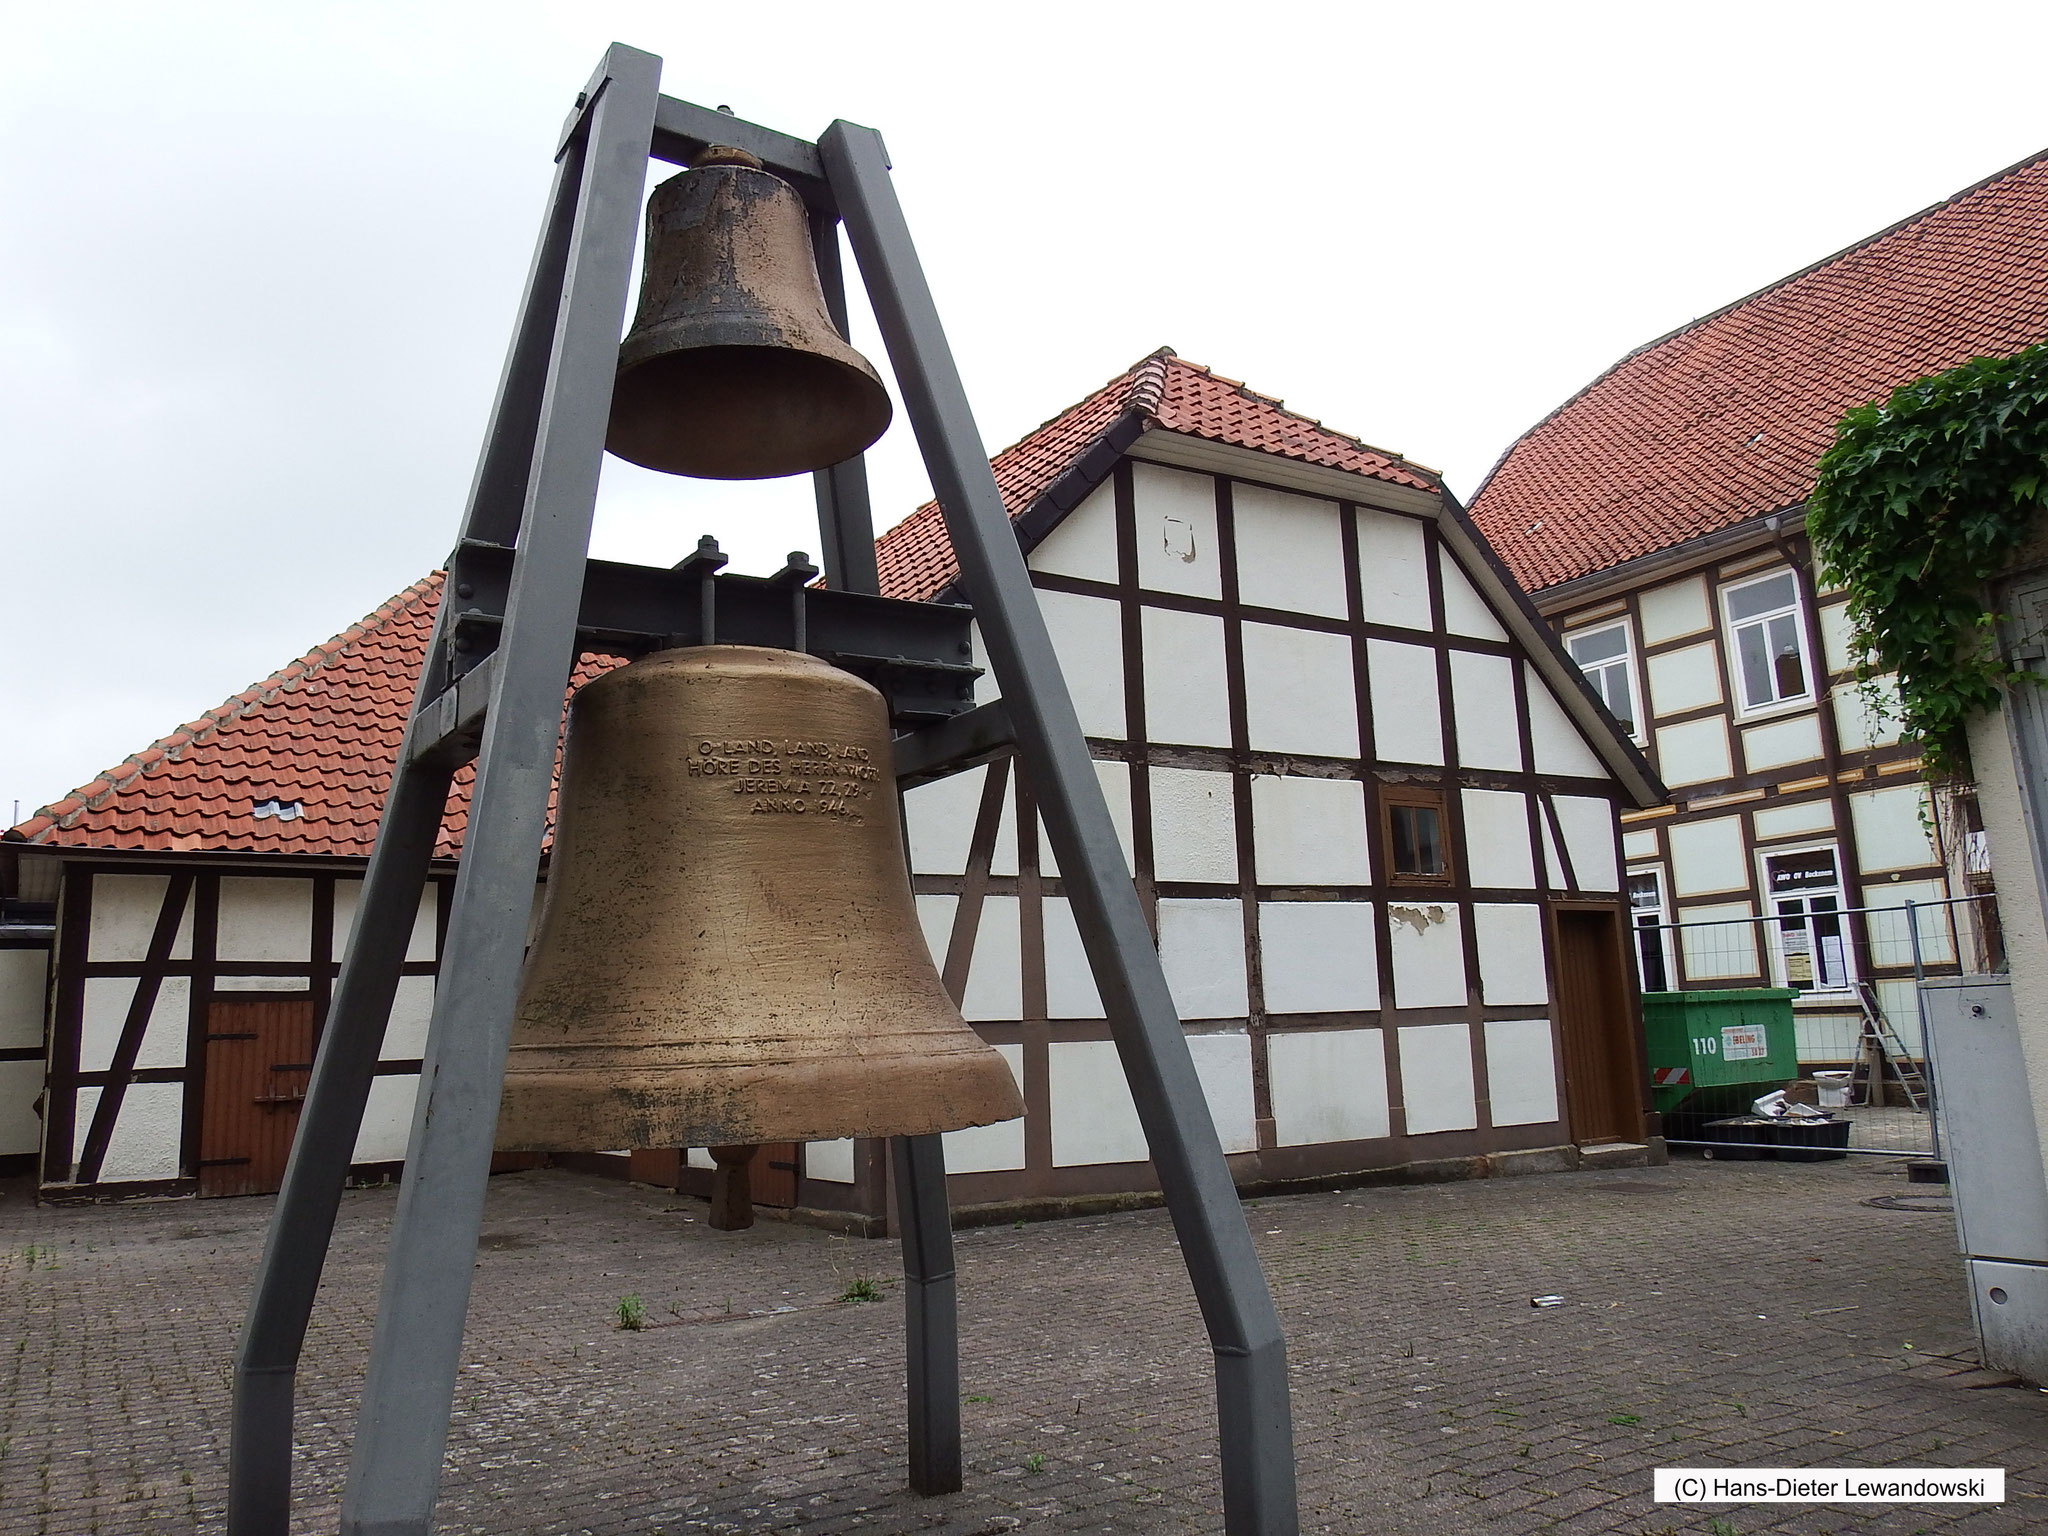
{"x": 1368, "y": 801}
{"x": 1657, "y": 521}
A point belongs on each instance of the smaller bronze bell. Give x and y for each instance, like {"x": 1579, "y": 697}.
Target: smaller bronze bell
{"x": 733, "y": 369}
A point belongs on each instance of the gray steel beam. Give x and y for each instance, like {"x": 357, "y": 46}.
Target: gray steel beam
{"x": 302, "y": 1225}
{"x": 846, "y": 521}
{"x": 1244, "y": 1329}
{"x": 931, "y": 1317}
{"x": 953, "y": 746}
{"x": 402, "y": 1430}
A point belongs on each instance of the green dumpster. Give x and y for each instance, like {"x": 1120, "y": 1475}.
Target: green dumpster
{"x": 1714, "y": 1052}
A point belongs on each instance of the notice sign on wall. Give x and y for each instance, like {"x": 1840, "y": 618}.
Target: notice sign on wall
{"x": 1740, "y": 1042}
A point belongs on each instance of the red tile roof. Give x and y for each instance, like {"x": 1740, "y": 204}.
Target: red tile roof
{"x": 324, "y": 731}
{"x": 1162, "y": 390}
{"x": 1723, "y": 420}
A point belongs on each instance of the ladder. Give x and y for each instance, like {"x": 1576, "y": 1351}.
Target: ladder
{"x": 1879, "y": 1046}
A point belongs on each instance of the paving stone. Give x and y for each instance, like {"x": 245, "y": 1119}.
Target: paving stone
{"x": 1736, "y": 1314}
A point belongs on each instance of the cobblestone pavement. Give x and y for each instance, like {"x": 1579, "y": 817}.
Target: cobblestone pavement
{"x": 1733, "y": 1314}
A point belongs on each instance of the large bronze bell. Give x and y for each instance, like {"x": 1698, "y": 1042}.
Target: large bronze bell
{"x": 733, "y": 369}
{"x": 728, "y": 950}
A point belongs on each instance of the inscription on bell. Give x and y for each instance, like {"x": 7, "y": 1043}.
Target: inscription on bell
{"x": 792, "y": 778}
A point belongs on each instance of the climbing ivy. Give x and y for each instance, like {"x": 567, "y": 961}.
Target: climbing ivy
{"x": 1921, "y": 501}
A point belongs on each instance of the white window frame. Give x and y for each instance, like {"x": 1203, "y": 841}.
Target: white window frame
{"x": 1732, "y": 628}
{"x": 1775, "y": 917}
{"x": 1638, "y": 727}
{"x": 1658, "y": 873}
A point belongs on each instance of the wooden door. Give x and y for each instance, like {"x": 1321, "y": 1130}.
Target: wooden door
{"x": 259, "y": 1055}
{"x": 1602, "y": 1097}
{"x": 774, "y": 1174}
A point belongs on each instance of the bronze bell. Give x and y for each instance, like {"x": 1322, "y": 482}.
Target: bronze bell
{"x": 733, "y": 369}
{"x": 728, "y": 951}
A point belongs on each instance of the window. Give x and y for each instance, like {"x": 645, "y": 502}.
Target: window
{"x": 1804, "y": 890}
{"x": 1653, "y": 938}
{"x": 1412, "y": 828}
{"x": 1768, "y": 640}
{"x": 1603, "y": 655}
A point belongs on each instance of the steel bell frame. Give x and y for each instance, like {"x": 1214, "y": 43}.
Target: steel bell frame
{"x": 535, "y": 490}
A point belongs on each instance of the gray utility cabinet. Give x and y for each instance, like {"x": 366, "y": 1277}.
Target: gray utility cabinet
{"x": 1994, "y": 1166}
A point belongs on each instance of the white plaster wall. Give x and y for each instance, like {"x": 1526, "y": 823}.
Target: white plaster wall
{"x": 1393, "y": 567}
{"x": 412, "y": 1010}
{"x": 1429, "y": 954}
{"x": 1714, "y": 948}
{"x": 1694, "y": 753}
{"x": 1555, "y": 740}
{"x": 1521, "y": 1072}
{"x": 107, "y": 999}
{"x": 1889, "y": 833}
{"x": 1867, "y": 719}
{"x": 420, "y": 946}
{"x": 1223, "y": 1062}
{"x": 1553, "y": 862}
{"x": 1069, "y": 982}
{"x": 146, "y": 1135}
{"x": 1639, "y": 845}
{"x": 2015, "y": 856}
{"x": 1436, "y": 1078}
{"x": 1115, "y": 779}
{"x": 1795, "y": 820}
{"x": 1706, "y": 856}
{"x": 939, "y": 818}
{"x": 1194, "y": 825}
{"x": 124, "y": 909}
{"x": 1497, "y": 852}
{"x": 1093, "y": 1118}
{"x": 983, "y": 1148}
{"x": 1465, "y": 611}
{"x": 1511, "y": 967}
{"x": 935, "y": 915}
{"x": 1290, "y": 551}
{"x": 1407, "y": 722}
{"x": 985, "y": 686}
{"x": 1825, "y": 1036}
{"x": 1309, "y": 831}
{"x": 1327, "y": 1085}
{"x": 1175, "y": 510}
{"x": 1299, "y": 693}
{"x": 1835, "y": 644}
{"x": 387, "y": 1119}
{"x": 1201, "y": 949}
{"x": 1675, "y": 609}
{"x": 23, "y": 976}
{"x": 1483, "y": 709}
{"x": 1588, "y": 826}
{"x": 830, "y": 1161}
{"x": 1891, "y": 940}
{"x": 1083, "y": 543}
{"x": 995, "y": 978}
{"x": 1780, "y": 743}
{"x": 21, "y": 1128}
{"x": 1087, "y": 634}
{"x": 231, "y": 983}
{"x": 1318, "y": 956}
{"x": 1684, "y": 679}
{"x": 1187, "y": 691}
{"x": 265, "y": 919}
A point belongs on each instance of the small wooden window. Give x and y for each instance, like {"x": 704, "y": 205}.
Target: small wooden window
{"x": 1416, "y": 835}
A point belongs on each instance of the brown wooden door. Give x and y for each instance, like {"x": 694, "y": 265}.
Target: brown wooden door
{"x": 774, "y": 1174}
{"x": 1603, "y": 1100}
{"x": 259, "y": 1054}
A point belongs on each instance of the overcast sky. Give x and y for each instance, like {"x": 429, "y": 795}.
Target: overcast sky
{"x": 258, "y": 263}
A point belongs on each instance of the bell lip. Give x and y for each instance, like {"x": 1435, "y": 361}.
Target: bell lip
{"x": 968, "y": 1091}
{"x": 638, "y": 435}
